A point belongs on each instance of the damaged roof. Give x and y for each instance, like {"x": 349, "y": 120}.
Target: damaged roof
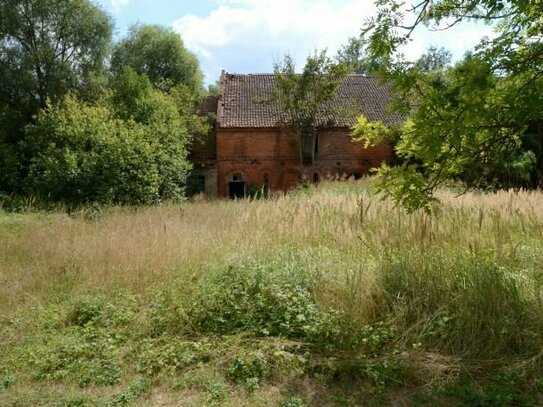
{"x": 208, "y": 106}
{"x": 247, "y": 102}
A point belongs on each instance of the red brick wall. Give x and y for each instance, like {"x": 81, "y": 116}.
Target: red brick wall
{"x": 254, "y": 153}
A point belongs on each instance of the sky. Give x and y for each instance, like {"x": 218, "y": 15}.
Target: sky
{"x": 249, "y": 36}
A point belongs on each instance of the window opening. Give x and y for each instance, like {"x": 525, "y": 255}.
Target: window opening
{"x": 266, "y": 183}
{"x": 307, "y": 149}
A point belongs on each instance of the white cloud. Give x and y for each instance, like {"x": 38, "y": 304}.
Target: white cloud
{"x": 457, "y": 39}
{"x": 118, "y": 5}
{"x": 250, "y": 35}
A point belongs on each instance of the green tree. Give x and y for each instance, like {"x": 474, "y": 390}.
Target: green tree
{"x": 469, "y": 121}
{"x": 160, "y": 54}
{"x": 303, "y": 97}
{"x": 47, "y": 48}
{"x": 213, "y": 89}
{"x": 130, "y": 148}
{"x": 434, "y": 59}
{"x": 353, "y": 56}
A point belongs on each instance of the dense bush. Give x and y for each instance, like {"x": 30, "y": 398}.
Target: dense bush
{"x": 85, "y": 153}
{"x": 255, "y": 298}
{"x": 275, "y": 300}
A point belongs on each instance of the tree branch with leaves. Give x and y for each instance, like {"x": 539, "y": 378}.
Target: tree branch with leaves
{"x": 467, "y": 121}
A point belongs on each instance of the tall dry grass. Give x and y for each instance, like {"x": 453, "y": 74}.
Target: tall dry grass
{"x": 340, "y": 230}
{"x": 461, "y": 286}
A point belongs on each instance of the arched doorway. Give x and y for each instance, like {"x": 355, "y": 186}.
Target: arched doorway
{"x": 237, "y": 186}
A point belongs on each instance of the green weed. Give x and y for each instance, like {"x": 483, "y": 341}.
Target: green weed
{"x": 249, "y": 369}
{"x": 136, "y": 389}
{"x": 216, "y": 393}
{"x": 168, "y": 355}
{"x": 7, "y": 381}
{"x": 293, "y": 402}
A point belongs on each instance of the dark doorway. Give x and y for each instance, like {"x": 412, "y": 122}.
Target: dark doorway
{"x": 201, "y": 183}
{"x": 236, "y": 187}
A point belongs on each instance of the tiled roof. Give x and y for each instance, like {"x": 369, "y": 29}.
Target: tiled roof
{"x": 209, "y": 105}
{"x": 203, "y": 149}
{"x": 243, "y": 99}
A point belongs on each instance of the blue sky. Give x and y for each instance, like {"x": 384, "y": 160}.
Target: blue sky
{"x": 249, "y": 36}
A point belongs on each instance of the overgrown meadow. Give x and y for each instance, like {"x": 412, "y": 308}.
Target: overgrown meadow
{"x": 323, "y": 297}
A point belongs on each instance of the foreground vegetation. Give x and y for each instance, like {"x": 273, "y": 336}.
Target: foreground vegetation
{"x": 327, "y": 296}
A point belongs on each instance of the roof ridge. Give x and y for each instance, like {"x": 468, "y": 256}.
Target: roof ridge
{"x": 298, "y": 73}
{"x": 250, "y": 74}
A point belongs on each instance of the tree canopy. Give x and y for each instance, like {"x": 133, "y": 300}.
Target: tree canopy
{"x": 352, "y": 55}
{"x": 73, "y": 131}
{"x": 129, "y": 148}
{"x": 434, "y": 59}
{"x": 303, "y": 96}
{"x": 468, "y": 121}
{"x": 160, "y": 54}
{"x": 48, "y": 47}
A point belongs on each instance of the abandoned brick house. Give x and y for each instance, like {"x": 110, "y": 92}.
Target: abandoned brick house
{"x": 248, "y": 148}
